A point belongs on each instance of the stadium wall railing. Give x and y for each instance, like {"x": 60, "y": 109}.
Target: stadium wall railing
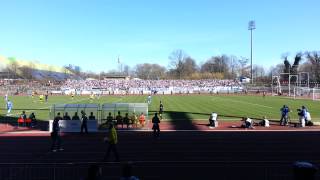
{"x": 148, "y": 170}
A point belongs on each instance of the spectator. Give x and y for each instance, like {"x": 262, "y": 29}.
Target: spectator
{"x": 94, "y": 172}
{"x": 127, "y": 172}
{"x": 304, "y": 171}
{"x": 138, "y": 86}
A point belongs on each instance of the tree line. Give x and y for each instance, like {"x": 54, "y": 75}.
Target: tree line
{"x": 183, "y": 66}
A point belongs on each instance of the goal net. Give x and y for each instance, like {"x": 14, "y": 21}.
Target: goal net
{"x": 301, "y": 93}
{"x": 306, "y": 93}
{"x": 315, "y": 94}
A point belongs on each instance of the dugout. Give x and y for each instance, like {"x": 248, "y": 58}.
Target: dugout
{"x": 124, "y": 108}
{"x": 74, "y": 125}
{"x": 72, "y": 108}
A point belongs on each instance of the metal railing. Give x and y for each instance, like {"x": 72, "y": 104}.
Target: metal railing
{"x": 149, "y": 170}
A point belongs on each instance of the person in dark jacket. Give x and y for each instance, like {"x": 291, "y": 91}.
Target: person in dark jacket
{"x": 75, "y": 116}
{"x": 156, "y": 127}
{"x": 84, "y": 120}
{"x": 92, "y": 117}
{"x": 119, "y": 119}
{"x": 33, "y": 119}
{"x": 109, "y": 119}
{"x": 94, "y": 172}
{"x": 66, "y": 116}
{"x": 161, "y": 109}
{"x": 127, "y": 120}
{"x": 55, "y": 134}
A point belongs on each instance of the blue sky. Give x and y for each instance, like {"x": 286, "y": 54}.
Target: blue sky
{"x": 94, "y": 33}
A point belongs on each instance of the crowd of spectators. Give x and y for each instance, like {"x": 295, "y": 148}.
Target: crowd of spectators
{"x": 134, "y": 85}
{"x": 21, "y": 86}
{"x": 116, "y": 84}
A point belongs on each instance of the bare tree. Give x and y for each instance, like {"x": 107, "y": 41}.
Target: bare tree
{"x": 259, "y": 72}
{"x": 244, "y": 66}
{"x": 150, "y": 71}
{"x": 177, "y": 59}
{"x": 208, "y": 66}
{"x": 276, "y": 70}
{"x": 13, "y": 66}
{"x": 313, "y": 59}
{"x": 217, "y": 64}
{"x": 26, "y": 72}
{"x": 189, "y": 67}
{"x": 233, "y": 66}
{"x": 292, "y": 69}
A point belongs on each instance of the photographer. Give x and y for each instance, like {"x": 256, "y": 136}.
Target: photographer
{"x": 301, "y": 115}
{"x": 284, "y": 115}
{"x": 307, "y": 116}
{"x": 213, "y": 120}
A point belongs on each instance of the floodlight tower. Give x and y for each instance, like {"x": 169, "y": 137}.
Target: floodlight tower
{"x": 251, "y": 26}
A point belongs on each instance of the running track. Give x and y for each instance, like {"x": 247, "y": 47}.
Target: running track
{"x": 214, "y": 154}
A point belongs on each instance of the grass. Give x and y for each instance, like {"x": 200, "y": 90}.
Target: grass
{"x": 179, "y": 107}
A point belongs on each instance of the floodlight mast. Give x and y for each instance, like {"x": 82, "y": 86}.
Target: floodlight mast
{"x": 251, "y": 26}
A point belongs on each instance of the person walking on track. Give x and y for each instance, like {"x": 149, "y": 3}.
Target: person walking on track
{"x": 55, "y": 134}
{"x": 84, "y": 120}
{"x": 156, "y": 127}
{"x": 112, "y": 140}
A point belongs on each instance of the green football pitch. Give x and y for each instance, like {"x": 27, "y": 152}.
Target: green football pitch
{"x": 192, "y": 107}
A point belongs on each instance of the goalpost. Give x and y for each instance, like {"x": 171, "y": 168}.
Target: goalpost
{"x": 316, "y": 94}
{"x": 275, "y": 85}
{"x": 302, "y": 92}
{"x": 279, "y": 86}
{"x": 294, "y": 85}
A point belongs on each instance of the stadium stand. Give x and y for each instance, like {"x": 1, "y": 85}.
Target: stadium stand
{"x": 39, "y": 71}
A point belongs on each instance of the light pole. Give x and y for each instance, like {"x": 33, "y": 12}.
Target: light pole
{"x": 251, "y": 26}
